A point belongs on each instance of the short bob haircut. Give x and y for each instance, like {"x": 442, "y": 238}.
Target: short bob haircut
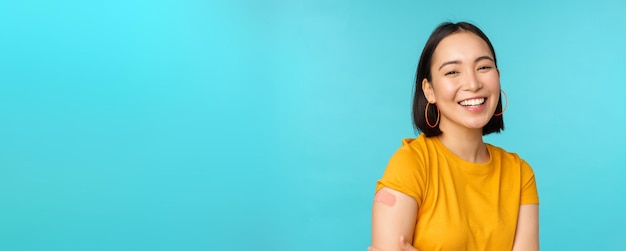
{"x": 495, "y": 124}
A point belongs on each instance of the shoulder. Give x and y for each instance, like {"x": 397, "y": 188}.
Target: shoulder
{"x": 507, "y": 158}
{"x": 504, "y": 155}
{"x": 412, "y": 150}
{"x": 406, "y": 171}
{"x": 417, "y": 146}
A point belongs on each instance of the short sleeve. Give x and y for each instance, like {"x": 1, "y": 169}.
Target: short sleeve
{"x": 405, "y": 173}
{"x": 529, "y": 186}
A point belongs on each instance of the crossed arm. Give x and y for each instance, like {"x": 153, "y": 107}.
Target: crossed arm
{"x": 394, "y": 219}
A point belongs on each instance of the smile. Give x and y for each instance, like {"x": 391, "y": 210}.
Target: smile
{"x": 473, "y": 102}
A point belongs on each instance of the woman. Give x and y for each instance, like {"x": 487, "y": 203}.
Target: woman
{"x": 447, "y": 189}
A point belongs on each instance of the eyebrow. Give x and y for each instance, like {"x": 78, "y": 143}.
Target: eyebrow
{"x": 458, "y": 62}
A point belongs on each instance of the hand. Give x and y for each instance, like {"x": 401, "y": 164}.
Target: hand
{"x": 404, "y": 246}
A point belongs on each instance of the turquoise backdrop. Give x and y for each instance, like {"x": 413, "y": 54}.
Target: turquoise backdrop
{"x": 264, "y": 125}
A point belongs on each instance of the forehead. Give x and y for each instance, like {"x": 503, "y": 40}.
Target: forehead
{"x": 461, "y": 46}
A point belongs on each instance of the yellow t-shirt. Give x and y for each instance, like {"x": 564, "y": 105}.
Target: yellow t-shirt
{"x": 461, "y": 205}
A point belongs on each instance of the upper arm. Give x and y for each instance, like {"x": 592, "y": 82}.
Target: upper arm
{"x": 392, "y": 220}
{"x": 527, "y": 232}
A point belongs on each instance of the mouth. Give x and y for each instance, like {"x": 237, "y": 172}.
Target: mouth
{"x": 473, "y": 102}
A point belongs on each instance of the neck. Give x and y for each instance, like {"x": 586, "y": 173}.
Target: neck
{"x": 467, "y": 144}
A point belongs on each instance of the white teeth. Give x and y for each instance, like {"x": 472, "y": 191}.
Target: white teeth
{"x": 472, "y": 102}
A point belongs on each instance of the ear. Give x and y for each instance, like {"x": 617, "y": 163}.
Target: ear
{"x": 427, "y": 87}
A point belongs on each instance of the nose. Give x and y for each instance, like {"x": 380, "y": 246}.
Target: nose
{"x": 473, "y": 83}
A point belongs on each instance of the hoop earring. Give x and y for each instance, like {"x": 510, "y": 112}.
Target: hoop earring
{"x": 505, "y": 106}
{"x": 426, "y": 115}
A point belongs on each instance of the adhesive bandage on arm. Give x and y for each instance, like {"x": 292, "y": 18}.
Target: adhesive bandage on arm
{"x": 385, "y": 197}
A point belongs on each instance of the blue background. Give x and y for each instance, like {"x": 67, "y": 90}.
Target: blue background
{"x": 263, "y": 125}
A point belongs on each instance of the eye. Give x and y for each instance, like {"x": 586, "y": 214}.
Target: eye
{"x": 451, "y": 73}
{"x": 486, "y": 67}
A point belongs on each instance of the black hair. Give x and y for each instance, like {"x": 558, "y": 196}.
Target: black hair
{"x": 495, "y": 124}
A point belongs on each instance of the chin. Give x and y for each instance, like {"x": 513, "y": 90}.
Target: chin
{"x": 477, "y": 125}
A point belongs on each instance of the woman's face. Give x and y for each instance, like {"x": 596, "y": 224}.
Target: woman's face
{"x": 465, "y": 83}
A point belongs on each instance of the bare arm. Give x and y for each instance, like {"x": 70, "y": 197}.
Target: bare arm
{"x": 393, "y": 215}
{"x": 527, "y": 232}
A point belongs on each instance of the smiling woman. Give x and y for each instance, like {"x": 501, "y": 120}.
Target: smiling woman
{"x": 450, "y": 189}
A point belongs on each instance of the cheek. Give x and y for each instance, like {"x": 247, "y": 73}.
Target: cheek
{"x": 492, "y": 79}
{"x": 446, "y": 90}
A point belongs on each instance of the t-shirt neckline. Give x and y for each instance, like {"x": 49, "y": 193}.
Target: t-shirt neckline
{"x": 478, "y": 168}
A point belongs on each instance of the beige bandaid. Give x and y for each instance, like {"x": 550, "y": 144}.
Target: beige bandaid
{"x": 385, "y": 197}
